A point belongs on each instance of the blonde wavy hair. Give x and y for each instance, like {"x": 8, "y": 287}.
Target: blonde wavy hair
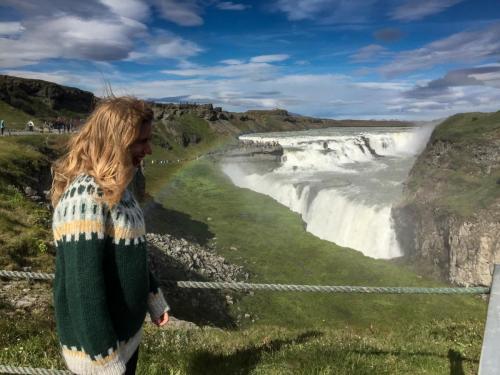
{"x": 101, "y": 148}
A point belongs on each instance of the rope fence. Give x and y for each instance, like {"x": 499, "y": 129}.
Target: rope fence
{"x": 282, "y": 287}
{"x": 31, "y": 371}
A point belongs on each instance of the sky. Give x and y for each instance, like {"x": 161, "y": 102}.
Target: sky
{"x": 363, "y": 59}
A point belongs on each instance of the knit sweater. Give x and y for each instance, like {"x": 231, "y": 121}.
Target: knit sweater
{"x": 102, "y": 287}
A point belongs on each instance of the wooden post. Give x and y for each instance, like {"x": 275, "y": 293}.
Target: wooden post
{"x": 489, "y": 363}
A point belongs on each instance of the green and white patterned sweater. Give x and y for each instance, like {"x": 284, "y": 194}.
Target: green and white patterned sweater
{"x": 103, "y": 287}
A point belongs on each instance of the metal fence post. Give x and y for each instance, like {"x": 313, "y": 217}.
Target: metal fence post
{"x": 489, "y": 363}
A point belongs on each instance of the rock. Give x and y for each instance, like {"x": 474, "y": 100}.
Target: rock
{"x": 174, "y": 323}
{"x": 222, "y": 116}
{"x": 29, "y": 191}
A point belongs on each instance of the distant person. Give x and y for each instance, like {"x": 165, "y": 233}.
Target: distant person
{"x": 30, "y": 125}
{"x": 2, "y": 127}
{"x": 102, "y": 287}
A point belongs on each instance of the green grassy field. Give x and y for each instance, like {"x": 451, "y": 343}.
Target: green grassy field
{"x": 25, "y": 236}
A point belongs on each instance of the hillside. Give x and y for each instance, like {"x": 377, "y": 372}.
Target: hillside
{"x": 449, "y": 217}
{"x": 42, "y": 99}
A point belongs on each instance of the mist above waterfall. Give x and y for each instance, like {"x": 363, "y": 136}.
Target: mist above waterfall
{"x": 342, "y": 181}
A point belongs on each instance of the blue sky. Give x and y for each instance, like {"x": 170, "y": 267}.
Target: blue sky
{"x": 405, "y": 59}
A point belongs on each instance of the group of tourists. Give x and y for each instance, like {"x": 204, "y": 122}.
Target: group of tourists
{"x": 60, "y": 125}
{"x": 164, "y": 161}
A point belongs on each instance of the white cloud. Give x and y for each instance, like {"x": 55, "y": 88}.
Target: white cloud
{"x": 133, "y": 9}
{"x": 454, "y": 100}
{"x": 269, "y": 58}
{"x": 369, "y": 53}
{"x": 49, "y": 8}
{"x": 112, "y": 32}
{"x": 229, "y": 5}
{"x": 252, "y": 70}
{"x": 311, "y": 94}
{"x": 320, "y": 95}
{"x": 417, "y": 9}
{"x": 167, "y": 46}
{"x": 70, "y": 37}
{"x": 398, "y": 86}
{"x": 177, "y": 48}
{"x": 326, "y": 11}
{"x": 463, "y": 47}
{"x": 183, "y": 13}
{"x": 475, "y": 76}
{"x": 10, "y": 28}
{"x": 232, "y": 62}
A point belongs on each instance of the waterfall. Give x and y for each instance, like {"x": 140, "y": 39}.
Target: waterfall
{"x": 342, "y": 181}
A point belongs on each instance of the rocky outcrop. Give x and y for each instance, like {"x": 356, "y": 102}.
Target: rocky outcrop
{"x": 42, "y": 98}
{"x": 449, "y": 219}
{"x": 459, "y": 249}
{"x": 172, "y": 111}
{"x": 178, "y": 259}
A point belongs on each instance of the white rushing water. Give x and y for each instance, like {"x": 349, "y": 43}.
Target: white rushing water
{"x": 342, "y": 181}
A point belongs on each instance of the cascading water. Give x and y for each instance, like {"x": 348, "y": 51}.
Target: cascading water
{"x": 343, "y": 181}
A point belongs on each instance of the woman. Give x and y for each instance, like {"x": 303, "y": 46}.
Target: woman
{"x": 103, "y": 288}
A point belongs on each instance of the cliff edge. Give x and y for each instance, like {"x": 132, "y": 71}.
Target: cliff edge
{"x": 448, "y": 221}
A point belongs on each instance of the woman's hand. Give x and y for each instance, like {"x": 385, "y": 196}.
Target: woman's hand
{"x": 162, "y": 320}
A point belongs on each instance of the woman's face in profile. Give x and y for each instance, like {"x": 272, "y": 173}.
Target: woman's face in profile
{"x": 142, "y": 146}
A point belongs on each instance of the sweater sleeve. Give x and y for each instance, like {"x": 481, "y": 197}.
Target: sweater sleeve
{"x": 84, "y": 245}
{"x": 156, "y": 301}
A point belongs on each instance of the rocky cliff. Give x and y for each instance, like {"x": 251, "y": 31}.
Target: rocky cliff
{"x": 44, "y": 99}
{"x": 449, "y": 219}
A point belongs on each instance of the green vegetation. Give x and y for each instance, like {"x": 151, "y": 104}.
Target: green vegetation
{"x": 168, "y": 142}
{"x": 432, "y": 348}
{"x": 25, "y": 238}
{"x": 462, "y": 127}
{"x": 13, "y": 117}
{"x": 459, "y": 171}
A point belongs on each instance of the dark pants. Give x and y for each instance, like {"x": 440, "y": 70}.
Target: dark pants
{"x": 132, "y": 363}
